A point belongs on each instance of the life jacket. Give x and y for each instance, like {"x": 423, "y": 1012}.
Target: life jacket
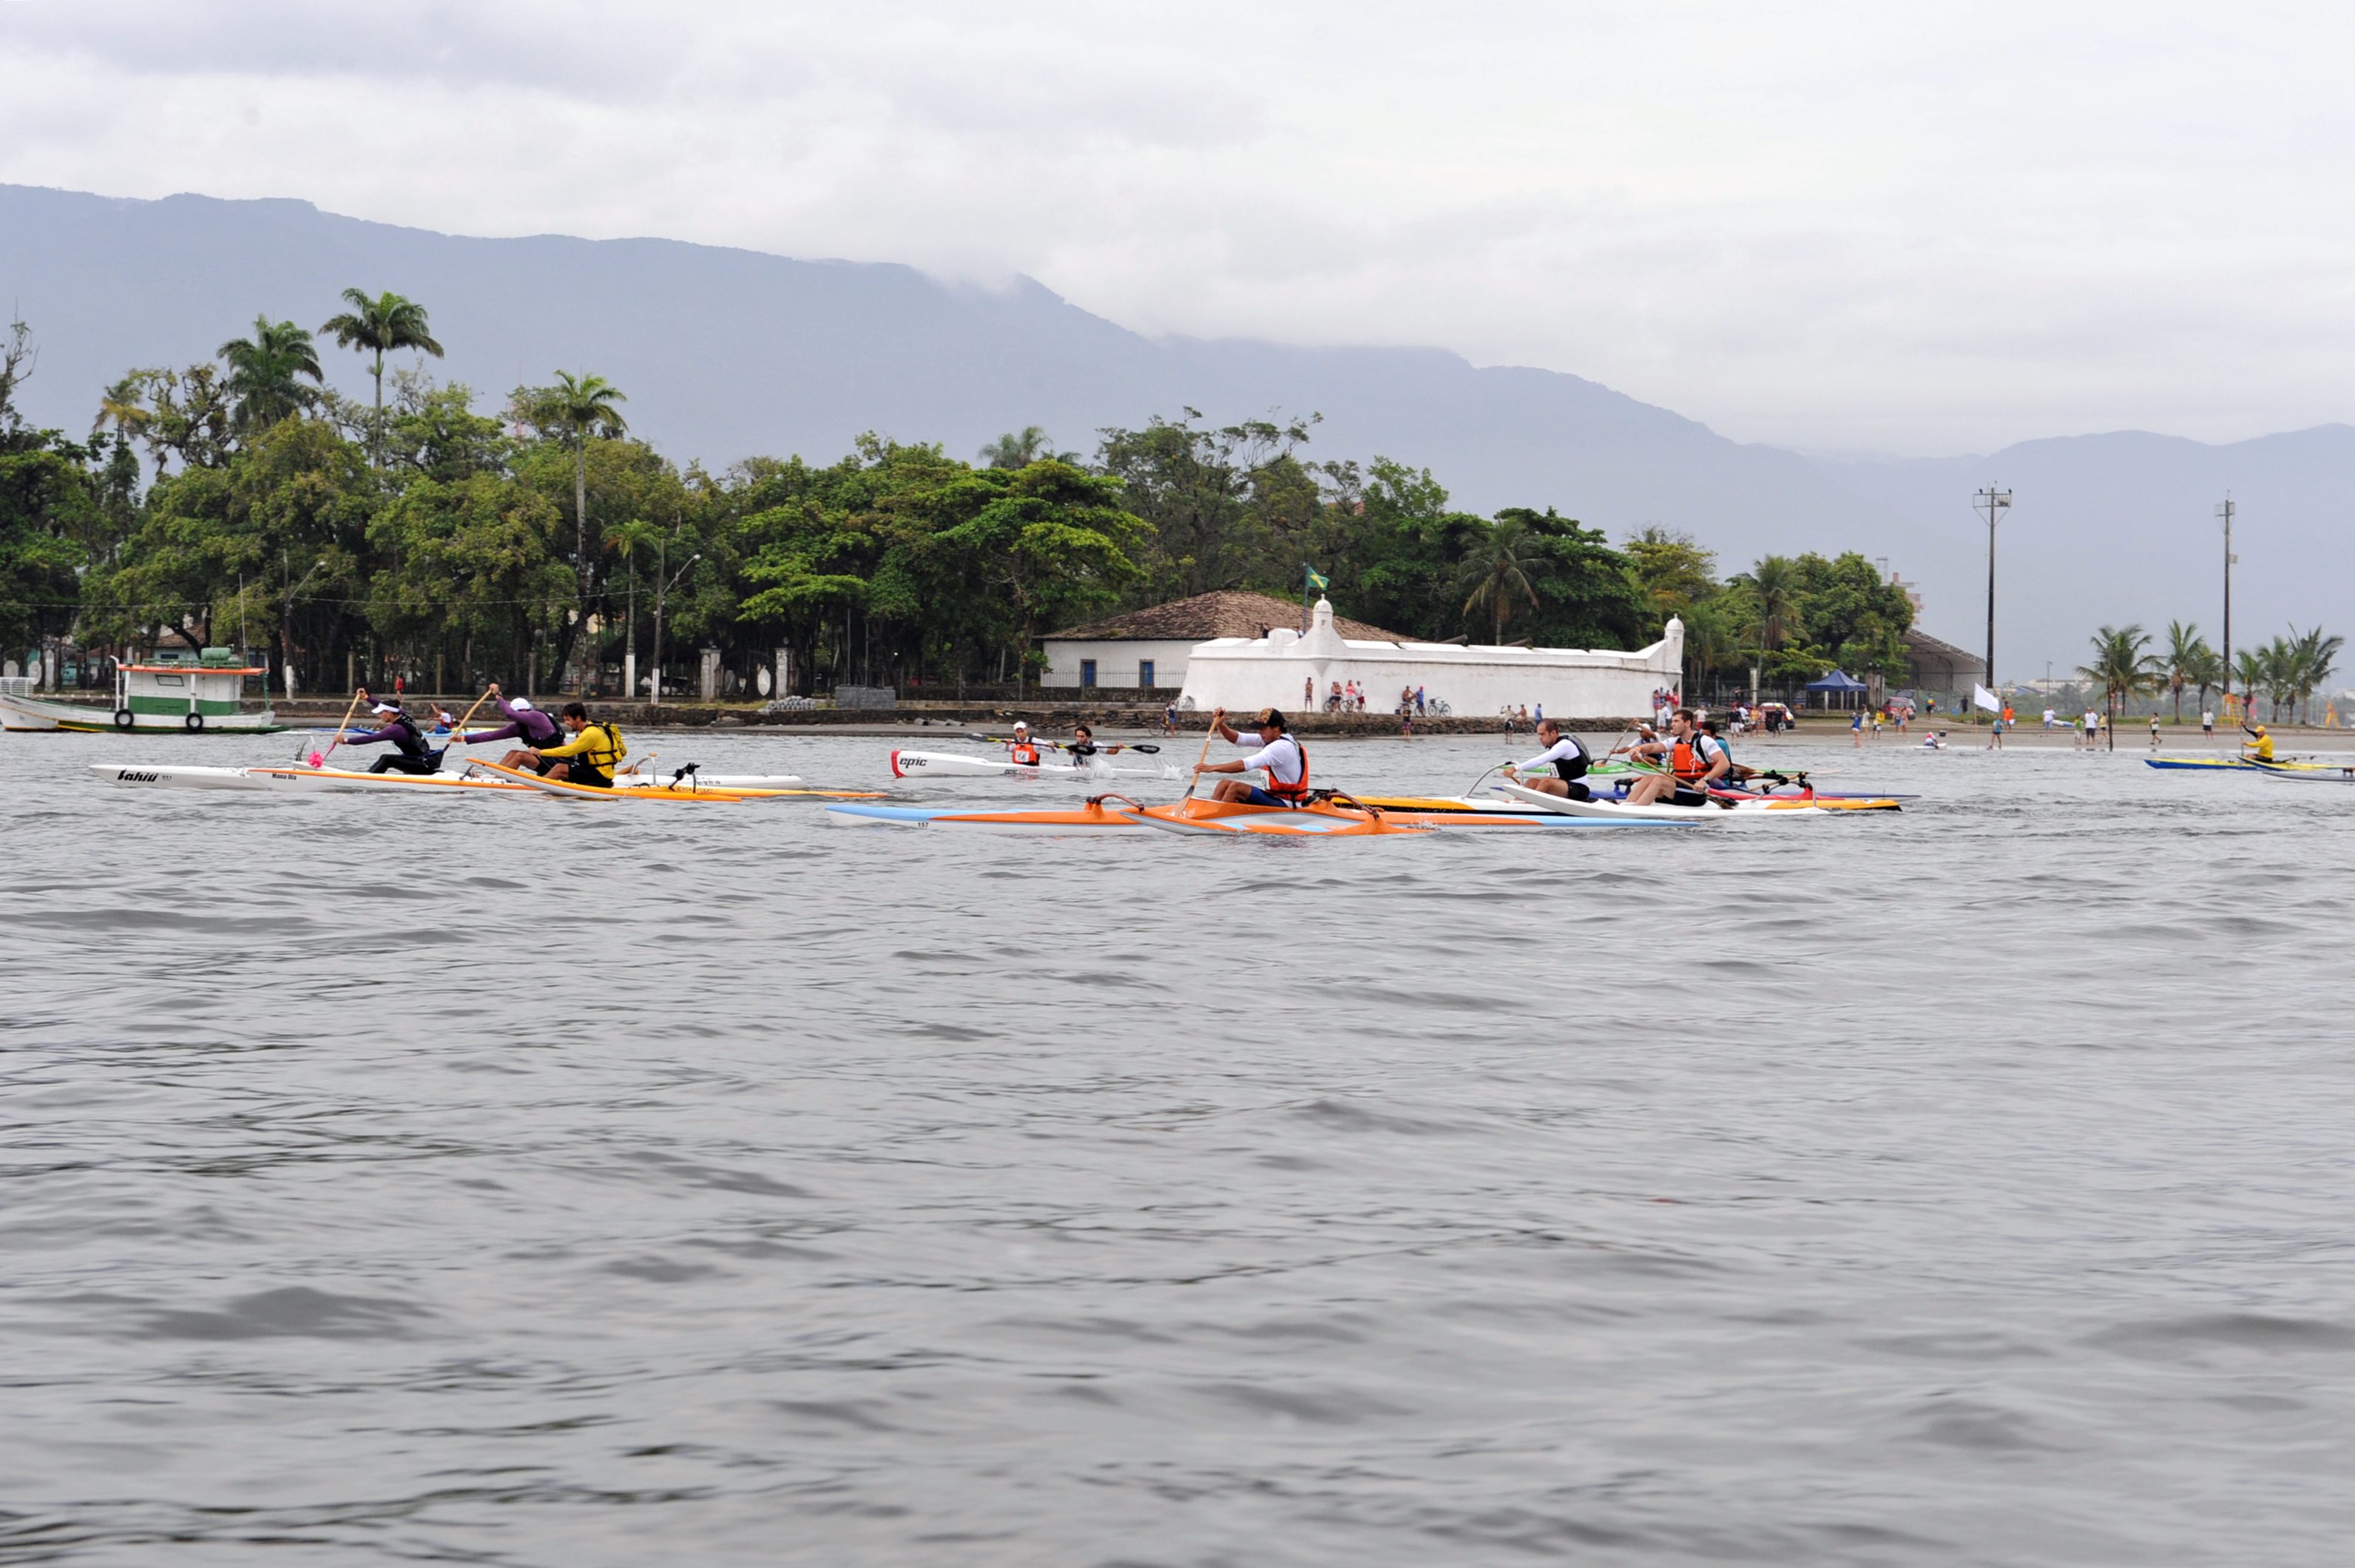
{"x": 1292, "y": 794}
{"x": 1687, "y": 759}
{"x": 1024, "y": 752}
{"x": 530, "y": 737}
{"x": 599, "y": 760}
{"x": 407, "y": 738}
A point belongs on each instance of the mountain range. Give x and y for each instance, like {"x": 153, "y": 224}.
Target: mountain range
{"x": 725, "y": 353}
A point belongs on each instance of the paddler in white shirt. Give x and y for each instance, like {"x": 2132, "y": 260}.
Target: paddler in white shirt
{"x": 1282, "y": 758}
{"x": 1568, "y": 757}
{"x": 1695, "y": 762}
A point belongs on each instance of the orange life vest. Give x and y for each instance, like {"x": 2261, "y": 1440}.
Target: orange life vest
{"x": 1291, "y": 794}
{"x": 1686, "y": 759}
{"x": 1025, "y": 753}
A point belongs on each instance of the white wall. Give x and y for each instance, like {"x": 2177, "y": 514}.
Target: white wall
{"x": 1240, "y": 673}
{"x": 1116, "y": 661}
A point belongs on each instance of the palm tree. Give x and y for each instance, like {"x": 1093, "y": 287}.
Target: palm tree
{"x": 2312, "y": 659}
{"x": 263, "y": 371}
{"x": 2249, "y": 667}
{"x": 2205, "y": 671}
{"x": 582, "y": 406}
{"x": 382, "y": 324}
{"x": 1493, "y": 571}
{"x": 1773, "y": 585}
{"x": 2184, "y": 647}
{"x": 2122, "y": 667}
{"x": 1018, "y": 451}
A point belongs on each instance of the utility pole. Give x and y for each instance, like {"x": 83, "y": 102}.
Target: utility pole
{"x": 2225, "y": 512}
{"x": 1994, "y": 502}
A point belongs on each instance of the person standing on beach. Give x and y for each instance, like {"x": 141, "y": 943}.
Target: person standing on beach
{"x": 1856, "y": 729}
{"x": 2154, "y": 733}
{"x": 2207, "y": 724}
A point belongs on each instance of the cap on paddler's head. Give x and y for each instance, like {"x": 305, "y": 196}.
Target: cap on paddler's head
{"x": 1269, "y": 719}
{"x": 518, "y": 702}
{"x": 385, "y": 708}
{"x": 1022, "y": 723}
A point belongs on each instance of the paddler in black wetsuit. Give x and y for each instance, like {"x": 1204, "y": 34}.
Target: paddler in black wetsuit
{"x": 410, "y": 754}
{"x": 1567, "y": 756}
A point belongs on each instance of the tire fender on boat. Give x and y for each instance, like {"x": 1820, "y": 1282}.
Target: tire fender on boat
{"x": 193, "y": 723}
{"x": 123, "y": 720}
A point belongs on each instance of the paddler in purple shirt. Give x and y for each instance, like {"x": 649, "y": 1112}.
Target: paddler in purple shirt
{"x": 524, "y": 723}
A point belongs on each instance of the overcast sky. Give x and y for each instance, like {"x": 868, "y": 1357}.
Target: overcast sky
{"x": 1905, "y": 229}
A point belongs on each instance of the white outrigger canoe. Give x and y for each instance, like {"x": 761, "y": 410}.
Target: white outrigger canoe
{"x": 1717, "y": 810}
{"x": 956, "y": 764}
{"x": 296, "y": 779}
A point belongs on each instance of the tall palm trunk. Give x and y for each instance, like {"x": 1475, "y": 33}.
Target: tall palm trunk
{"x": 375, "y": 439}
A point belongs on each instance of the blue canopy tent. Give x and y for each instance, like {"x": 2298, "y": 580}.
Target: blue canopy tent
{"x": 1840, "y": 682}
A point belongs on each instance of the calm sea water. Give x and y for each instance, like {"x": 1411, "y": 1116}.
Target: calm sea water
{"x": 517, "y": 1182}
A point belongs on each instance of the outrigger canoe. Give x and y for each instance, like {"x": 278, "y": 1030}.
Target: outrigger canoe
{"x": 956, "y": 765}
{"x": 1607, "y": 808}
{"x": 2246, "y": 764}
{"x": 1098, "y": 816}
{"x": 294, "y": 779}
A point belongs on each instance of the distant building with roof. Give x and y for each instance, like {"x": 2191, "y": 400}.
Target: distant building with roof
{"x": 1934, "y": 666}
{"x": 1151, "y": 647}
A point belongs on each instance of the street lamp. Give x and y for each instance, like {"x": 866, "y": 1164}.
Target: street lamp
{"x": 2225, "y": 511}
{"x": 662, "y": 591}
{"x": 1994, "y": 502}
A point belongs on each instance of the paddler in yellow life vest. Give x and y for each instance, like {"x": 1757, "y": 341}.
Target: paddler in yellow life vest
{"x": 1695, "y": 762}
{"x": 2261, "y": 748}
{"x": 590, "y": 757}
{"x": 1284, "y": 760}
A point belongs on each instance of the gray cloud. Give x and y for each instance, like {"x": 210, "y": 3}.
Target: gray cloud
{"x": 1840, "y": 227}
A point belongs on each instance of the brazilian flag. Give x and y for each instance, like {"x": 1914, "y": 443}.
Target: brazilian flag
{"x": 1317, "y": 580}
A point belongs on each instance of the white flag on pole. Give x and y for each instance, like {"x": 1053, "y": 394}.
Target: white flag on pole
{"x": 1982, "y": 698}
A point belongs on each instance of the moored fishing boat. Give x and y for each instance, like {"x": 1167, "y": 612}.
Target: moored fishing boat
{"x": 165, "y": 696}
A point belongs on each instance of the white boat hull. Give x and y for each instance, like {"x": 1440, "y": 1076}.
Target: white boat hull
{"x": 32, "y": 713}
{"x": 1621, "y": 811}
{"x": 953, "y": 764}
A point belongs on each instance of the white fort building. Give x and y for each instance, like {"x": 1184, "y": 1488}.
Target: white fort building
{"x": 1269, "y": 664}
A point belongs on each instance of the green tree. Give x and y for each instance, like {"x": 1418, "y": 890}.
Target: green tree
{"x": 2181, "y": 661}
{"x": 48, "y": 509}
{"x": 582, "y": 408}
{"x": 2122, "y": 667}
{"x": 1228, "y": 508}
{"x": 1494, "y": 571}
{"x": 380, "y": 326}
{"x": 2251, "y": 668}
{"x": 265, "y": 373}
{"x": 2310, "y": 658}
{"x": 1586, "y": 592}
{"x": 1774, "y": 590}
{"x": 1054, "y": 541}
{"x": 1673, "y": 572}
